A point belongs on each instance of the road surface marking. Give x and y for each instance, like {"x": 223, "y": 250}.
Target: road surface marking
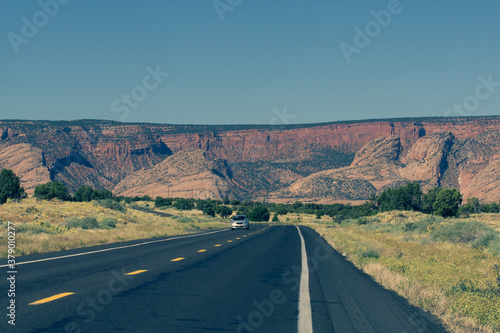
{"x": 137, "y": 272}
{"x": 229, "y": 241}
{"x": 238, "y": 238}
{"x": 244, "y": 235}
{"x": 115, "y": 248}
{"x": 305, "y": 317}
{"x": 50, "y": 299}
{"x": 202, "y": 250}
{"x": 178, "y": 259}
{"x": 218, "y": 245}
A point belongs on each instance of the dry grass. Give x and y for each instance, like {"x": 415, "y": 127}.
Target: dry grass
{"x": 455, "y": 282}
{"x": 41, "y": 225}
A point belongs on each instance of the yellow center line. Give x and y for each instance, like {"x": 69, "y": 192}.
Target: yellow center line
{"x": 50, "y": 299}
{"x": 229, "y": 241}
{"x": 178, "y": 259}
{"x": 137, "y": 272}
{"x": 244, "y": 235}
{"x": 202, "y": 250}
{"x": 218, "y": 245}
{"x": 238, "y": 238}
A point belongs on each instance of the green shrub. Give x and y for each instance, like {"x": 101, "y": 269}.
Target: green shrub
{"x": 485, "y": 240}
{"x": 72, "y": 222}
{"x": 89, "y": 223}
{"x": 112, "y": 204}
{"x": 370, "y": 253}
{"x": 52, "y": 190}
{"x": 425, "y": 224}
{"x": 275, "y": 218}
{"x": 183, "y": 204}
{"x": 362, "y": 221}
{"x": 447, "y": 203}
{"x": 108, "y": 223}
{"x": 84, "y": 223}
{"x": 209, "y": 210}
{"x": 163, "y": 202}
{"x": 259, "y": 214}
{"x": 409, "y": 227}
{"x": 224, "y": 211}
{"x": 464, "y": 232}
{"x": 31, "y": 210}
{"x": 183, "y": 219}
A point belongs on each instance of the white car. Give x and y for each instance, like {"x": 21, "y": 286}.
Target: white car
{"x": 239, "y": 221}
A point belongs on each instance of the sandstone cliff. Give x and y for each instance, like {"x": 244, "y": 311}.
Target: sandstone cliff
{"x": 337, "y": 161}
{"x": 181, "y": 175}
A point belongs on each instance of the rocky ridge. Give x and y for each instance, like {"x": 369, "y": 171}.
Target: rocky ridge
{"x": 323, "y": 162}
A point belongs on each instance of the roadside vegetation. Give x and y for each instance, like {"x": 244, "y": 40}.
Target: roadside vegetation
{"x": 441, "y": 254}
{"x": 446, "y": 266}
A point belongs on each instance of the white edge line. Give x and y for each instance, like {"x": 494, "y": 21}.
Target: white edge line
{"x": 305, "y": 316}
{"x": 114, "y": 248}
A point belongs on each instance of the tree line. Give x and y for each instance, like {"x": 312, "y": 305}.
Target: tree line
{"x": 437, "y": 201}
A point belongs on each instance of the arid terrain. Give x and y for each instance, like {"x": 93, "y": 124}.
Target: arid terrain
{"x": 334, "y": 162}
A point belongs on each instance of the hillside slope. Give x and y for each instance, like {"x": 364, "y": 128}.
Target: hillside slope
{"x": 328, "y": 162}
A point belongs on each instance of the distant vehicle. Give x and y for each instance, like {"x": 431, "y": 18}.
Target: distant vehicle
{"x": 239, "y": 221}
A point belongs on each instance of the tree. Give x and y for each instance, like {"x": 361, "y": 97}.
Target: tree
{"x": 275, "y": 218}
{"x": 52, "y": 190}
{"x": 474, "y": 205}
{"x": 10, "y": 186}
{"x": 260, "y": 213}
{"x": 408, "y": 197}
{"x": 104, "y": 194}
{"x": 209, "y": 210}
{"x": 429, "y": 199}
{"x": 162, "y": 202}
{"x": 183, "y": 204}
{"x": 447, "y": 202}
{"x": 84, "y": 193}
{"x": 224, "y": 211}
{"x": 281, "y": 209}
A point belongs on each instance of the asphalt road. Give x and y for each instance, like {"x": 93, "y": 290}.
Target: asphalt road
{"x": 221, "y": 281}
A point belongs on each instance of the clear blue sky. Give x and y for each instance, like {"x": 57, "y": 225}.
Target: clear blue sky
{"x": 264, "y": 55}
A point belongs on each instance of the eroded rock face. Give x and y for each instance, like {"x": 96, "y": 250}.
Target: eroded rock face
{"x": 188, "y": 173}
{"x": 378, "y": 165}
{"x": 27, "y": 162}
{"x": 426, "y": 160}
{"x": 379, "y": 151}
{"x": 329, "y": 162}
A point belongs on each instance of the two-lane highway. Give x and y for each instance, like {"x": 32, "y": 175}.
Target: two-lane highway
{"x": 231, "y": 281}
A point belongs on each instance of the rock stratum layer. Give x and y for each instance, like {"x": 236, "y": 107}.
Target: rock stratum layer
{"x": 345, "y": 161}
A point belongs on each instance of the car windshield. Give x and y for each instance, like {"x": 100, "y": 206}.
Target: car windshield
{"x": 239, "y": 218}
